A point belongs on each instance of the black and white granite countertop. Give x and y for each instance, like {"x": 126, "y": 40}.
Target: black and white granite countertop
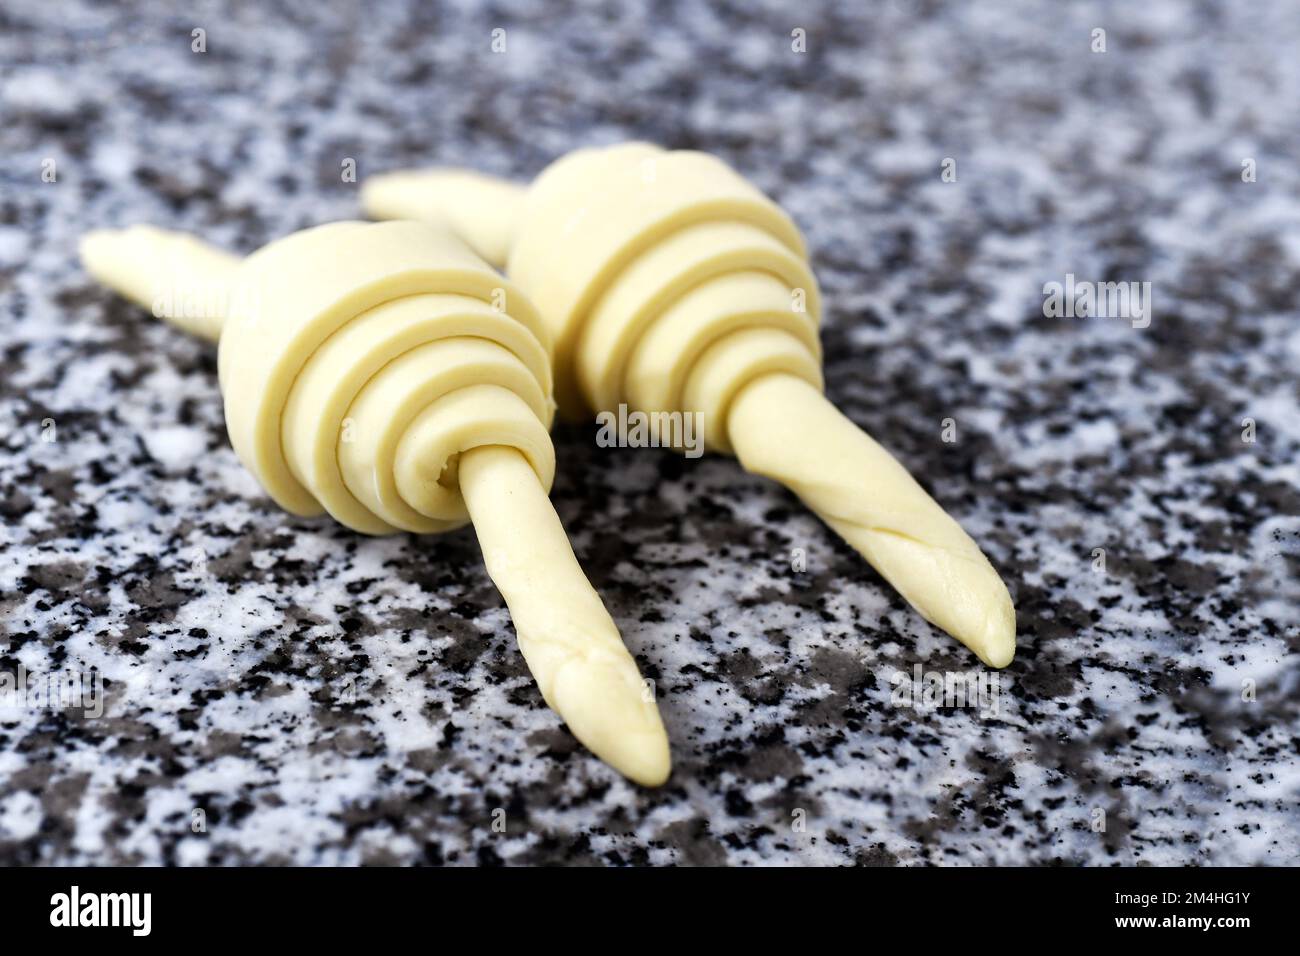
{"x": 325, "y": 698}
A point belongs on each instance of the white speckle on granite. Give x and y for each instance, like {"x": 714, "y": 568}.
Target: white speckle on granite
{"x": 20, "y": 816}
{"x": 175, "y": 448}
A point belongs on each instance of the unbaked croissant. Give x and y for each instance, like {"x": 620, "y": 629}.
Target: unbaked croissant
{"x": 670, "y": 284}
{"x": 385, "y": 374}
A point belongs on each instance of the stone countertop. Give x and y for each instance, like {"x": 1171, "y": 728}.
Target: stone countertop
{"x": 282, "y": 690}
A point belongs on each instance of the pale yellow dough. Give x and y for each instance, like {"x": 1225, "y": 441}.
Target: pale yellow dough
{"x": 671, "y": 284}
{"x": 386, "y": 374}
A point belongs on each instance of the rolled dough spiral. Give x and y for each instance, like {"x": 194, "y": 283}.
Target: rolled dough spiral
{"x": 670, "y": 284}
{"x": 385, "y": 374}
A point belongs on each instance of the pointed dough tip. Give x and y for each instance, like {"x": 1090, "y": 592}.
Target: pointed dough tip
{"x": 642, "y": 758}
{"x": 604, "y": 702}
{"x": 95, "y": 244}
{"x": 996, "y": 647}
{"x": 639, "y": 754}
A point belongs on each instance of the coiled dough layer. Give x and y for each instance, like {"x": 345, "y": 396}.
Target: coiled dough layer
{"x": 644, "y": 262}
{"x": 360, "y": 360}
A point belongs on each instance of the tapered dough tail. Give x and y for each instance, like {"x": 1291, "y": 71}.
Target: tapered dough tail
{"x": 570, "y": 642}
{"x": 179, "y": 278}
{"x": 482, "y": 210}
{"x": 782, "y": 427}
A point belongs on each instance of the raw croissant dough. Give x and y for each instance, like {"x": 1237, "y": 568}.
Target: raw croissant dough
{"x": 387, "y": 375}
{"x": 671, "y": 284}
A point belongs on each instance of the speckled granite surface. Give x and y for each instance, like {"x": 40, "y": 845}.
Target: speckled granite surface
{"x": 325, "y": 698}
